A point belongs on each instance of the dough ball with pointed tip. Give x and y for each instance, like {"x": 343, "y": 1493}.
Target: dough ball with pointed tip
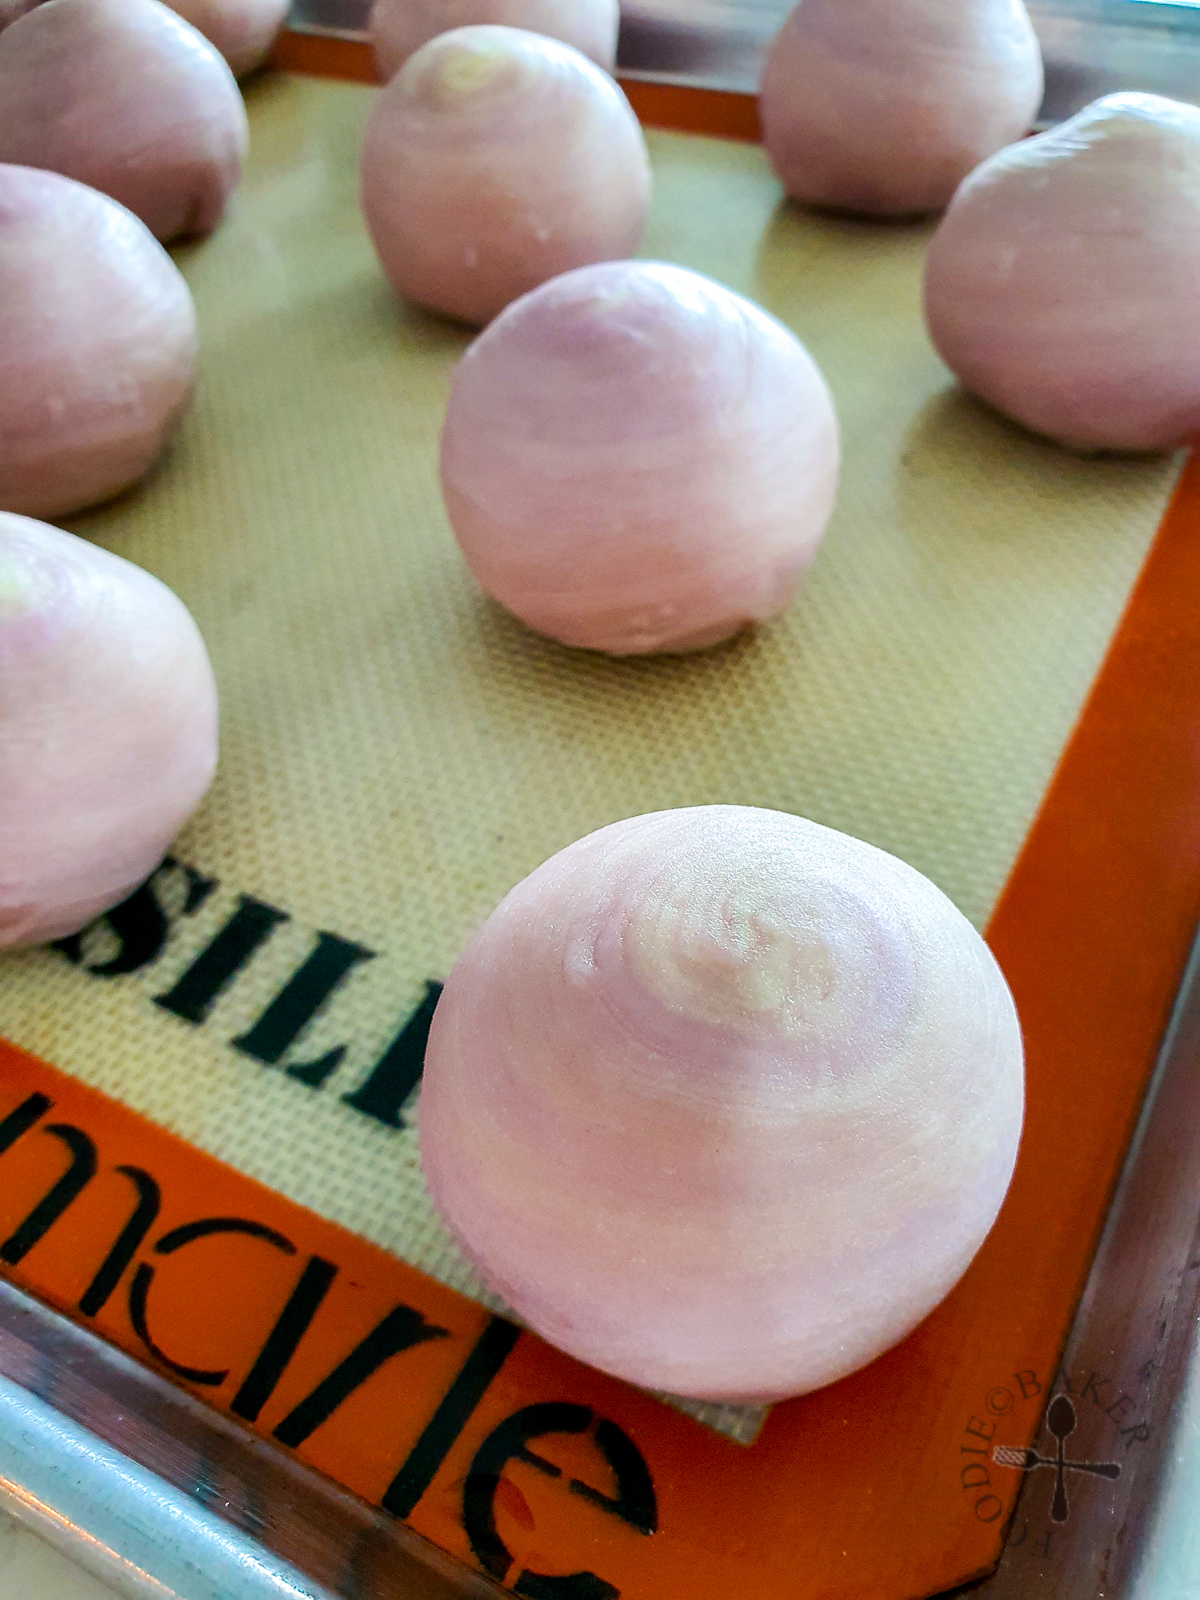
{"x": 494, "y": 160}
{"x": 401, "y": 27}
{"x": 723, "y": 1102}
{"x": 882, "y": 107}
{"x": 97, "y": 361}
{"x": 125, "y": 96}
{"x": 108, "y": 728}
{"x": 1062, "y": 283}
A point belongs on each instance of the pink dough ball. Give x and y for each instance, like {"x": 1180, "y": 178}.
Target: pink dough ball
{"x": 125, "y": 96}
{"x": 635, "y": 459}
{"x": 401, "y": 27}
{"x": 108, "y": 728}
{"x": 10, "y": 10}
{"x": 496, "y": 159}
{"x": 883, "y": 106}
{"x": 242, "y": 30}
{"x": 100, "y": 345}
{"x": 723, "y": 1102}
{"x": 1062, "y": 283}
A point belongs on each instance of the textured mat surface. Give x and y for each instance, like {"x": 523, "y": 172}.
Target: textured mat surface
{"x": 397, "y": 752}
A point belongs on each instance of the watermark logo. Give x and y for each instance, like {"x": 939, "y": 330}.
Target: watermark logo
{"x": 1029, "y": 1407}
{"x": 1061, "y": 1422}
{"x": 1020, "y": 1397}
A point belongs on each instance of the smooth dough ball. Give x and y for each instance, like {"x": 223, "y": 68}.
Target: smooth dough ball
{"x": 723, "y": 1102}
{"x": 242, "y": 30}
{"x": 1062, "y": 283}
{"x": 882, "y": 107}
{"x": 96, "y": 368}
{"x": 125, "y": 96}
{"x": 108, "y": 728}
{"x": 401, "y": 27}
{"x": 10, "y": 10}
{"x": 494, "y": 160}
{"x": 636, "y": 459}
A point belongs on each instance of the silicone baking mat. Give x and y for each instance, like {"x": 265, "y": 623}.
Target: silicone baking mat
{"x": 397, "y": 753}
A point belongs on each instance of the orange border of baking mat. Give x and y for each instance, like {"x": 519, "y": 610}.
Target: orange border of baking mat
{"x": 415, "y": 1398}
{"x": 659, "y": 105}
{"x": 568, "y": 1485}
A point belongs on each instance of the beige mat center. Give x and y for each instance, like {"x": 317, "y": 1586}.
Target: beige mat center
{"x": 397, "y": 752}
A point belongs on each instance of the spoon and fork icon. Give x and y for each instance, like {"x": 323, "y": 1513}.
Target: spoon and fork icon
{"x": 1061, "y": 1420}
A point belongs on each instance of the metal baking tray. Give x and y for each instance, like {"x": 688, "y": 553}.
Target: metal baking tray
{"x": 160, "y": 1496}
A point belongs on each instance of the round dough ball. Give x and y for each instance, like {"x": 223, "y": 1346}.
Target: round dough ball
{"x": 400, "y": 27}
{"x": 635, "y": 459}
{"x": 108, "y": 728}
{"x": 882, "y": 107}
{"x": 723, "y": 1102}
{"x": 96, "y": 368}
{"x": 1062, "y": 283}
{"x": 10, "y": 10}
{"x": 124, "y": 96}
{"x": 494, "y": 160}
{"x": 242, "y": 30}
